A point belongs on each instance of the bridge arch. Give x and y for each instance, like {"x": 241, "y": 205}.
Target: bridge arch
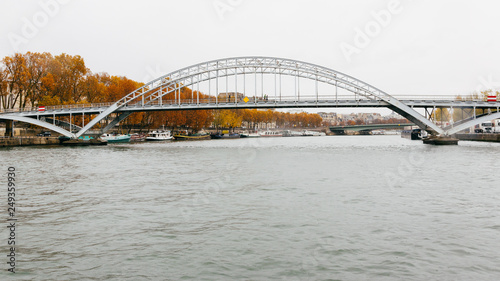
{"x": 473, "y": 122}
{"x": 39, "y": 123}
{"x": 188, "y": 76}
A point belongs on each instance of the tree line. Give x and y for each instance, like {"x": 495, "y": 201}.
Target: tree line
{"x": 41, "y": 79}
{"x": 34, "y": 79}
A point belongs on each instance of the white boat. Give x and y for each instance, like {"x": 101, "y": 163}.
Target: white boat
{"x": 250, "y": 135}
{"x": 114, "y": 138}
{"x": 313, "y": 133}
{"x": 271, "y": 134}
{"x": 159, "y": 136}
{"x": 289, "y": 133}
{"x": 423, "y": 134}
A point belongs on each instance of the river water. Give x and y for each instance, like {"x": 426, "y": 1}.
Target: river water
{"x": 313, "y": 208}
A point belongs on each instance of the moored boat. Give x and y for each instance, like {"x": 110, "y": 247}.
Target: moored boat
{"x": 159, "y": 136}
{"x": 271, "y": 134}
{"x": 82, "y": 141}
{"x": 231, "y": 136}
{"x": 313, "y": 133}
{"x": 290, "y": 133}
{"x": 415, "y": 134}
{"x": 113, "y": 138}
{"x": 249, "y": 135}
{"x": 216, "y": 136}
{"x": 137, "y": 137}
{"x": 180, "y": 137}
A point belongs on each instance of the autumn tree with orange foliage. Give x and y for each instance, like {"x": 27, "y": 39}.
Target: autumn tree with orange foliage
{"x": 228, "y": 118}
{"x": 41, "y": 79}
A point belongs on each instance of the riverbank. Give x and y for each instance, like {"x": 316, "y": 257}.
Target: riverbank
{"x": 27, "y": 141}
{"x": 479, "y": 137}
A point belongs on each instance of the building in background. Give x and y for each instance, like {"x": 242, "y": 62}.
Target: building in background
{"x": 329, "y": 118}
{"x": 333, "y": 118}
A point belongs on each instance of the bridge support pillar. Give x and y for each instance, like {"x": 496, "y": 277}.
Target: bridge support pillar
{"x": 338, "y": 132}
{"x": 9, "y": 128}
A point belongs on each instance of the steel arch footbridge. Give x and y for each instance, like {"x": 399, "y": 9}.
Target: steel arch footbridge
{"x": 222, "y": 79}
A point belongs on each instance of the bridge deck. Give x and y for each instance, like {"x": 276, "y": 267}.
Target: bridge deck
{"x": 193, "y": 105}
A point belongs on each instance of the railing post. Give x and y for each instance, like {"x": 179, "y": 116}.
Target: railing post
{"x": 298, "y": 84}
{"x": 227, "y": 79}
{"x": 336, "y": 90}
{"x": 236, "y": 85}
{"x": 295, "y": 85}
{"x": 217, "y": 84}
{"x": 262, "y": 82}
{"x": 316, "y": 85}
{"x": 161, "y": 96}
{"x": 255, "y": 92}
{"x": 279, "y": 69}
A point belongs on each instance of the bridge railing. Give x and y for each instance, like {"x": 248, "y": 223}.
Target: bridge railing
{"x": 438, "y": 98}
{"x": 57, "y": 107}
{"x": 289, "y": 99}
{"x": 240, "y": 100}
{"x": 194, "y": 100}
{"x": 250, "y": 100}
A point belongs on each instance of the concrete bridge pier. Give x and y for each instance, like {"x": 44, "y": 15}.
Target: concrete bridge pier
{"x": 441, "y": 140}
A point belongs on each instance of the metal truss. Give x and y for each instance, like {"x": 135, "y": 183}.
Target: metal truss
{"x": 473, "y": 122}
{"x": 189, "y": 76}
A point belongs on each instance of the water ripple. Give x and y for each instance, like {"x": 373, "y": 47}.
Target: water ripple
{"x": 333, "y": 208}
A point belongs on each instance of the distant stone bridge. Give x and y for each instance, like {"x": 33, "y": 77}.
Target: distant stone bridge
{"x": 369, "y": 127}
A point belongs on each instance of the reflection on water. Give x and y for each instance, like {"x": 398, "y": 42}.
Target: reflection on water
{"x": 350, "y": 208}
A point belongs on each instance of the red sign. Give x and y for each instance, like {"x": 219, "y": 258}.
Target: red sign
{"x": 41, "y": 108}
{"x": 492, "y": 98}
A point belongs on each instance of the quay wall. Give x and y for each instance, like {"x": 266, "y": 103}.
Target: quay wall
{"x": 27, "y": 141}
{"x": 479, "y": 137}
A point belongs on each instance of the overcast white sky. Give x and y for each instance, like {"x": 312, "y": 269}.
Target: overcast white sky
{"x": 421, "y": 48}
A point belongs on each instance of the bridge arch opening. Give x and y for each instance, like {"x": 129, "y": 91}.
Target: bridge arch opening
{"x": 212, "y": 72}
